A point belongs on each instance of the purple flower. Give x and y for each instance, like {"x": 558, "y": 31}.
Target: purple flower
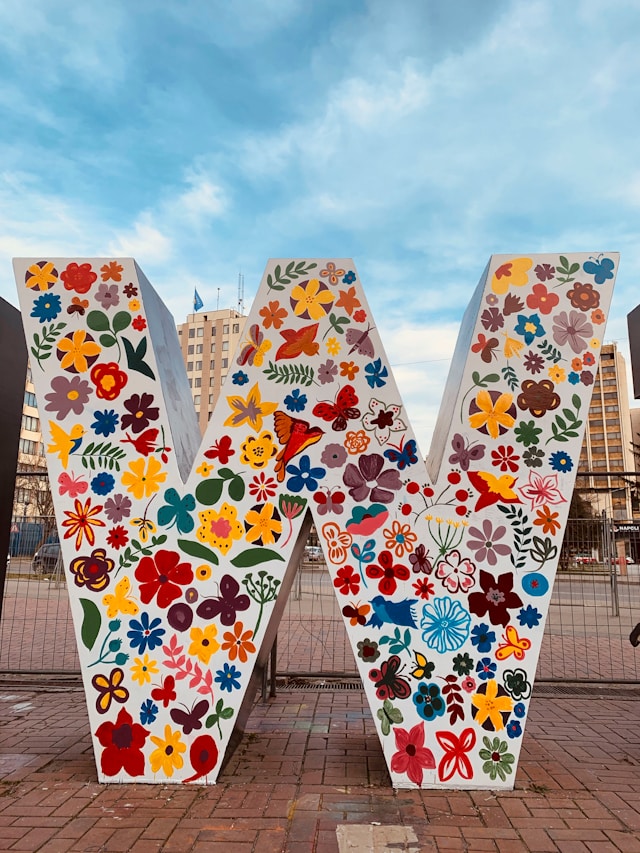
{"x": 573, "y": 329}
{"x": 492, "y": 319}
{"x": 327, "y": 371}
{"x": 369, "y": 471}
{"x": 533, "y": 362}
{"x": 545, "y": 272}
{"x": 334, "y": 456}
{"x": 586, "y": 377}
{"x": 117, "y": 507}
{"x": 67, "y": 395}
{"x": 484, "y": 542}
{"x": 107, "y": 295}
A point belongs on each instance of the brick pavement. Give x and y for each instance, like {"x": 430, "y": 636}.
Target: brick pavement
{"x": 309, "y": 775}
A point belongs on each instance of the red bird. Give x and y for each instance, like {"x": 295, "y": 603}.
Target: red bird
{"x": 296, "y": 435}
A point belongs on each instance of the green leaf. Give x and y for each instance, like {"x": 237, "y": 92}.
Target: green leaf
{"x": 200, "y": 552}
{"x": 475, "y": 377}
{"x": 135, "y": 357}
{"x": 91, "y": 623}
{"x": 226, "y": 713}
{"x": 574, "y": 268}
{"x": 561, "y": 422}
{"x": 236, "y": 488}
{"x": 97, "y": 321}
{"x": 121, "y": 321}
{"x": 564, "y": 261}
{"x": 209, "y": 492}
{"x": 107, "y": 340}
{"x": 255, "y": 556}
{"x": 576, "y": 401}
{"x": 226, "y": 473}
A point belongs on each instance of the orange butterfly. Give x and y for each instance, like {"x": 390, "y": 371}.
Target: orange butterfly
{"x": 512, "y": 645}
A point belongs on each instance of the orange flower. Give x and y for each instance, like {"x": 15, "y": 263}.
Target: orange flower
{"x": 338, "y": 541}
{"x": 331, "y": 272}
{"x": 576, "y": 364}
{"x": 78, "y": 351}
{"x": 109, "y": 380}
{"x": 547, "y": 520}
{"x": 348, "y": 300}
{"x": 238, "y": 643}
{"x": 111, "y": 271}
{"x": 356, "y": 442}
{"x": 400, "y": 538}
{"x": 349, "y": 369}
{"x": 80, "y": 522}
{"x": 273, "y": 315}
{"x": 598, "y": 317}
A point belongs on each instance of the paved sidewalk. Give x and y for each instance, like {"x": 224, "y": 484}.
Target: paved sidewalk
{"x": 309, "y": 776}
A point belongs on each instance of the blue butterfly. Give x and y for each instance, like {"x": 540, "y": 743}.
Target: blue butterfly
{"x": 403, "y": 456}
{"x": 601, "y": 269}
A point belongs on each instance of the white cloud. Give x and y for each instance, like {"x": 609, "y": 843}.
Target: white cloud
{"x": 144, "y": 241}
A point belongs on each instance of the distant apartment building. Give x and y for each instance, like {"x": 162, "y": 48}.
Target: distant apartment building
{"x": 208, "y": 340}
{"x": 29, "y": 496}
{"x": 607, "y": 441}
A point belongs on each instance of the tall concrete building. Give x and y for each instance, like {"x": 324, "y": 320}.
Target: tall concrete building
{"x": 31, "y": 492}
{"x": 209, "y": 340}
{"x": 607, "y": 442}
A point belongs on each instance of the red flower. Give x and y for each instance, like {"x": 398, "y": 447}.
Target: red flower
{"x": 78, "y": 278}
{"x": 455, "y": 759}
{"x": 388, "y": 574}
{"x": 412, "y": 757}
{"x": 163, "y": 575}
{"x": 347, "y": 581}
{"x": 505, "y": 458}
{"x": 109, "y": 380}
{"x": 123, "y": 742}
{"x": 541, "y": 300}
{"x": 424, "y": 588}
{"x": 221, "y": 450}
{"x": 117, "y": 537}
{"x": 496, "y": 599}
{"x": 139, "y": 323}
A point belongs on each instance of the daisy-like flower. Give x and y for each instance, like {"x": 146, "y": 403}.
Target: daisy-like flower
{"x": 81, "y": 521}
{"x": 311, "y": 299}
{"x": 168, "y": 755}
{"x": 383, "y": 420}
{"x": 142, "y": 670}
{"x": 78, "y": 351}
{"x": 494, "y": 416}
{"x": 490, "y": 703}
{"x": 144, "y": 478}
{"x": 399, "y": 538}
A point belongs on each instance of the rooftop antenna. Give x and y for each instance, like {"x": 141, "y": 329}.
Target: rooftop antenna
{"x": 218, "y": 302}
{"x": 240, "y": 293}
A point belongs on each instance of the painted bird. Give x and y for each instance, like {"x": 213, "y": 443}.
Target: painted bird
{"x": 64, "y": 444}
{"x": 393, "y": 612}
{"x": 296, "y": 435}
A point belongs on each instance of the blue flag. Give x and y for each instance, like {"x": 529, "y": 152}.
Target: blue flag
{"x": 197, "y": 301}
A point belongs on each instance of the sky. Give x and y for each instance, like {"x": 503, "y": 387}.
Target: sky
{"x": 417, "y": 137}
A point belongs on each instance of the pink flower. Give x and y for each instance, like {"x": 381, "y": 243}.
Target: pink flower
{"x": 456, "y": 572}
{"x": 542, "y": 490}
{"x": 412, "y": 757}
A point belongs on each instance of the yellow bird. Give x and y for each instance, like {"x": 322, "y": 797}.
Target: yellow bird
{"x": 64, "y": 444}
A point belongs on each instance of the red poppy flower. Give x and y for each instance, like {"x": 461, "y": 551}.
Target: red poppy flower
{"x": 78, "y": 277}
{"x": 139, "y": 323}
{"x": 123, "y": 742}
{"x": 424, "y": 588}
{"x": 412, "y": 757}
{"x": 163, "y": 575}
{"x": 109, "y": 380}
{"x": 496, "y": 599}
{"x": 221, "y": 450}
{"x": 203, "y": 756}
{"x": 347, "y": 581}
{"x": 387, "y": 573}
{"x": 117, "y": 537}
{"x": 455, "y": 759}
{"x": 505, "y": 458}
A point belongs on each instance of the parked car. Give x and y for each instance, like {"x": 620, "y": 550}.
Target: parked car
{"x": 585, "y": 560}
{"x": 313, "y": 553}
{"x": 46, "y": 559}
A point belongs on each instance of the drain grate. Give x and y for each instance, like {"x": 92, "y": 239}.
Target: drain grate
{"x": 595, "y": 690}
{"x": 318, "y": 684}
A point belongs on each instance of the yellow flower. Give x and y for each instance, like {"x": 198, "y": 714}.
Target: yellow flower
{"x": 250, "y": 411}
{"x": 134, "y": 305}
{"x": 311, "y": 299}
{"x": 333, "y": 346}
{"x": 168, "y": 755}
{"x": 142, "y": 670}
{"x": 513, "y": 272}
{"x": 594, "y": 343}
{"x": 204, "y": 643}
{"x": 400, "y": 538}
{"x": 557, "y": 374}
{"x": 41, "y": 277}
{"x": 220, "y": 529}
{"x": 258, "y": 451}
{"x": 203, "y": 572}
{"x": 143, "y": 483}
{"x": 492, "y": 415}
{"x": 263, "y": 524}
{"x": 338, "y": 541}
{"x": 204, "y": 469}
{"x": 77, "y": 350}
{"x": 491, "y": 706}
{"x": 512, "y": 346}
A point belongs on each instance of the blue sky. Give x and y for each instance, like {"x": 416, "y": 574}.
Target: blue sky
{"x": 417, "y": 137}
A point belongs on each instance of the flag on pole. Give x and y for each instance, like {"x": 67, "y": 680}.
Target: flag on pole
{"x": 197, "y": 301}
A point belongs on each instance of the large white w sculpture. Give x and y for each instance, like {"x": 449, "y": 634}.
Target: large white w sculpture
{"x": 175, "y": 553}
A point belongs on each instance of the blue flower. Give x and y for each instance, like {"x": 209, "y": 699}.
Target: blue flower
{"x": 145, "y": 634}
{"x": 304, "y": 476}
{"x": 486, "y": 669}
{"x": 514, "y": 729}
{"x": 148, "y": 712}
{"x": 445, "y": 624}
{"x": 561, "y": 461}
{"x": 535, "y": 583}
{"x": 377, "y": 374}
{"x": 105, "y": 422}
{"x": 240, "y": 378}
{"x": 295, "y": 401}
{"x": 573, "y": 377}
{"x": 349, "y": 278}
{"x": 103, "y": 483}
{"x": 519, "y": 709}
{"x": 529, "y": 617}
{"x": 428, "y": 701}
{"x": 483, "y": 638}
{"x": 228, "y": 678}
{"x": 46, "y": 307}
{"x": 529, "y": 327}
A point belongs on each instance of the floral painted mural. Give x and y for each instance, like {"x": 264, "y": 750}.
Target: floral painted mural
{"x": 443, "y": 584}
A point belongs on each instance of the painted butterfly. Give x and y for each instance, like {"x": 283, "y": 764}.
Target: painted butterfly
{"x": 404, "y": 455}
{"x": 343, "y": 410}
{"x": 600, "y": 269}
{"x": 227, "y": 604}
{"x": 388, "y": 681}
{"x": 166, "y": 692}
{"x": 422, "y": 669}
{"x": 119, "y": 601}
{"x": 465, "y": 452}
{"x": 512, "y": 645}
{"x": 254, "y": 348}
{"x": 68, "y": 484}
{"x": 356, "y": 613}
{"x": 485, "y": 347}
{"x": 190, "y": 720}
{"x": 361, "y": 342}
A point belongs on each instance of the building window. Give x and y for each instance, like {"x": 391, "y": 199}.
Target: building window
{"x": 189, "y": 366}
{"x": 30, "y": 399}
{"x": 196, "y": 399}
{"x": 30, "y": 423}
{"x": 192, "y": 333}
{"x": 212, "y": 364}
{"x": 213, "y": 331}
{"x": 225, "y": 363}
{"x": 213, "y": 346}
{"x": 199, "y": 332}
{"x": 236, "y": 328}
{"x": 190, "y": 349}
{"x": 212, "y": 381}
{"x": 210, "y": 399}
{"x": 198, "y": 365}
{"x": 225, "y": 346}
{"x": 197, "y": 382}
{"x": 199, "y": 349}
{"x": 225, "y": 329}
